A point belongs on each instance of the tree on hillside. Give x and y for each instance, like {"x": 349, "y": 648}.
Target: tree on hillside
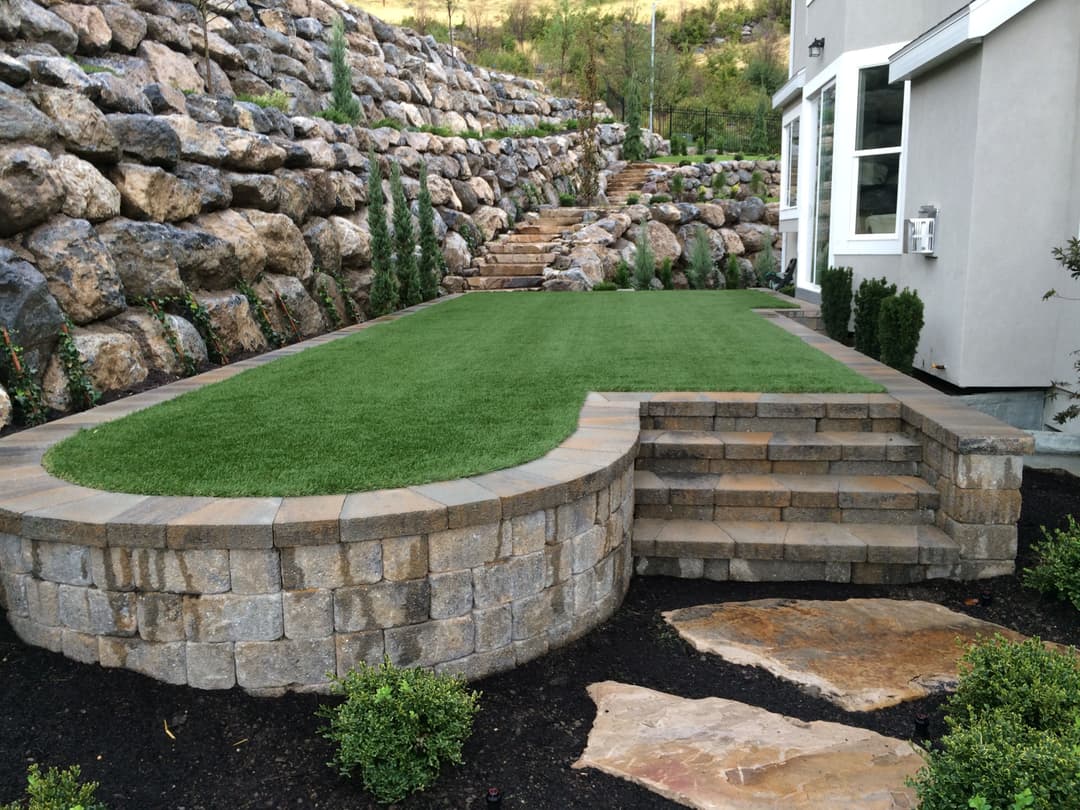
{"x": 343, "y": 102}
{"x": 559, "y": 37}
{"x": 209, "y": 10}
{"x": 451, "y": 7}
{"x": 383, "y": 297}
{"x": 590, "y": 150}
{"x": 404, "y": 243}
{"x": 633, "y": 148}
{"x": 519, "y": 18}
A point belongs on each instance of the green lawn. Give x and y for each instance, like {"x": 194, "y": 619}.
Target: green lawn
{"x": 470, "y": 386}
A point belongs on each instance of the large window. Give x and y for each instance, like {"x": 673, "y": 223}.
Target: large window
{"x": 878, "y": 144}
{"x": 791, "y": 140}
{"x": 826, "y": 120}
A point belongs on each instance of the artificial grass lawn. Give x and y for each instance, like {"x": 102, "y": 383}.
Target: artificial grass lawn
{"x": 470, "y": 386}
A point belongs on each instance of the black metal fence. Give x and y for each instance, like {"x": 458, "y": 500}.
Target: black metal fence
{"x": 724, "y": 131}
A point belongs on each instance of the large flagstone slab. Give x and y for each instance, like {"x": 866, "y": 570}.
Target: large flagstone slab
{"x": 718, "y": 754}
{"x": 861, "y": 654}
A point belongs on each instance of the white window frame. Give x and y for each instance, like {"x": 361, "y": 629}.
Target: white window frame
{"x": 792, "y": 118}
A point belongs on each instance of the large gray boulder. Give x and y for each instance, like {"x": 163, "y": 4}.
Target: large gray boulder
{"x": 81, "y": 125}
{"x": 146, "y": 139}
{"x": 27, "y": 309}
{"x": 20, "y": 120}
{"x": 143, "y": 256}
{"x": 89, "y": 24}
{"x": 37, "y": 24}
{"x": 29, "y": 190}
{"x": 147, "y": 192}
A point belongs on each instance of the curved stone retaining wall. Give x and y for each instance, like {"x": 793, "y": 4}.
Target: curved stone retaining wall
{"x": 471, "y": 576}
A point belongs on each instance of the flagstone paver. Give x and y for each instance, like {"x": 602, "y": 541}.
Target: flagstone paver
{"x": 861, "y": 654}
{"x": 718, "y": 754}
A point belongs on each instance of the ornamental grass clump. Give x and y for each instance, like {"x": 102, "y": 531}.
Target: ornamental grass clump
{"x": 1057, "y": 573}
{"x": 396, "y": 727}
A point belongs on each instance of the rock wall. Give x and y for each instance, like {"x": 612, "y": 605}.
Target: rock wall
{"x": 122, "y": 180}
{"x": 724, "y": 179}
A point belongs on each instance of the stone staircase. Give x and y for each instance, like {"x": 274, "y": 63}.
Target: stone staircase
{"x": 628, "y": 181}
{"x": 517, "y": 260}
{"x": 785, "y": 487}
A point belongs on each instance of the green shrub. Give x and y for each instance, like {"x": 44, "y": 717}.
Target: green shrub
{"x": 765, "y": 263}
{"x": 836, "y": 301}
{"x": 388, "y": 123}
{"x": 656, "y": 199}
{"x": 710, "y": 158}
{"x": 677, "y": 184}
{"x": 678, "y": 145}
{"x": 868, "y": 298}
{"x": 644, "y": 261}
{"x": 632, "y": 199}
{"x": 1014, "y": 726}
{"x": 335, "y": 116}
{"x": 567, "y": 200}
{"x": 408, "y": 276}
{"x": 758, "y": 187}
{"x": 57, "y": 790}
{"x": 685, "y": 163}
{"x": 397, "y": 727}
{"x": 342, "y": 101}
{"x": 383, "y": 298}
{"x": 1057, "y": 573}
{"x": 604, "y": 286}
{"x": 431, "y": 261}
{"x": 789, "y": 290}
{"x": 900, "y": 322}
{"x": 732, "y": 273}
{"x": 622, "y": 275}
{"x": 664, "y": 274}
{"x": 275, "y": 99}
{"x": 633, "y": 147}
{"x": 701, "y": 260}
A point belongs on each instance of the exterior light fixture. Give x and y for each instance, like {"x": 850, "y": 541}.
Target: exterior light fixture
{"x": 817, "y": 47}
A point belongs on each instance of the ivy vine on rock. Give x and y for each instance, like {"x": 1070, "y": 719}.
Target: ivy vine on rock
{"x": 273, "y": 337}
{"x": 156, "y": 308}
{"x": 80, "y": 386}
{"x": 351, "y": 312}
{"x": 200, "y": 317}
{"x": 328, "y": 305}
{"x": 25, "y": 392}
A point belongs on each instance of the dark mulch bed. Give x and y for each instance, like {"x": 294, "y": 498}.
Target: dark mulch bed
{"x": 234, "y": 751}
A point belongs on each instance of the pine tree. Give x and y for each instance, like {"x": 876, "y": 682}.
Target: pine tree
{"x": 404, "y": 244}
{"x": 383, "y": 298}
{"x": 633, "y": 148}
{"x": 430, "y": 256}
{"x": 343, "y": 102}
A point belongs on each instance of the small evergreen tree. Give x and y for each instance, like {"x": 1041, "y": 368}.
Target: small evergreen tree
{"x": 343, "y": 102}
{"x": 404, "y": 244}
{"x": 633, "y": 148}
{"x": 644, "y": 261}
{"x": 836, "y": 301}
{"x": 383, "y": 298}
{"x": 701, "y": 260}
{"x": 665, "y": 275}
{"x": 868, "y": 300}
{"x": 900, "y": 322}
{"x": 430, "y": 256}
{"x": 732, "y": 273}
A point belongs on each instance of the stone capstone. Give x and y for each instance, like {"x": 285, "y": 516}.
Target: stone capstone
{"x": 717, "y": 754}
{"x": 861, "y": 654}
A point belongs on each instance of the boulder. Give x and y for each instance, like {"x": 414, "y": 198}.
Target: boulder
{"x": 149, "y": 333}
{"x": 37, "y": 24}
{"x": 637, "y": 213}
{"x": 490, "y": 221}
{"x": 752, "y": 209}
{"x": 466, "y": 195}
{"x": 30, "y": 193}
{"x": 442, "y": 192}
{"x": 12, "y": 71}
{"x": 253, "y": 190}
{"x": 455, "y": 284}
{"x": 205, "y": 261}
{"x": 147, "y": 192}
{"x": 755, "y": 236}
{"x": 87, "y": 194}
{"x": 20, "y": 120}
{"x": 5, "y": 408}
{"x": 89, "y": 25}
{"x": 455, "y": 251}
{"x": 354, "y": 243}
{"x": 56, "y": 71}
{"x": 325, "y": 285}
{"x": 215, "y": 192}
{"x": 286, "y": 252}
{"x": 733, "y": 245}
{"x": 616, "y": 224}
{"x": 146, "y": 139}
{"x": 27, "y": 309}
{"x": 196, "y": 143}
{"x": 128, "y": 26}
{"x": 81, "y": 125}
{"x": 321, "y": 239}
{"x": 594, "y": 234}
{"x": 482, "y": 189}
{"x": 296, "y": 196}
{"x": 302, "y": 312}
{"x": 662, "y": 241}
{"x": 170, "y": 68}
{"x": 233, "y": 321}
{"x": 117, "y": 94}
{"x": 143, "y": 255}
{"x": 712, "y": 215}
{"x": 687, "y": 212}
{"x": 589, "y": 261}
{"x": 250, "y": 151}
{"x": 112, "y": 359}
{"x": 78, "y": 268}
{"x": 232, "y": 227}
{"x": 668, "y": 213}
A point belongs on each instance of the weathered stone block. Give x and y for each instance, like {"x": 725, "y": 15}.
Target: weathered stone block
{"x": 336, "y": 566}
{"x": 161, "y": 617}
{"x": 557, "y": 563}
{"x": 308, "y": 613}
{"x": 492, "y": 585}
{"x": 111, "y": 569}
{"x": 532, "y": 615}
{"x": 605, "y": 577}
{"x": 530, "y": 648}
{"x": 430, "y": 643}
{"x": 195, "y": 572}
{"x": 584, "y": 592}
{"x": 493, "y": 627}
{"x": 163, "y": 662}
{"x": 986, "y": 569}
{"x": 254, "y": 571}
{"x": 452, "y": 594}
{"x": 13, "y": 593}
{"x": 527, "y": 574}
{"x": 229, "y": 617}
{"x": 979, "y": 541}
{"x": 506, "y": 541}
{"x": 89, "y": 610}
{"x": 468, "y": 547}
{"x": 211, "y": 666}
{"x": 574, "y": 519}
{"x": 16, "y": 557}
{"x": 269, "y": 664}
{"x": 81, "y": 647}
{"x": 43, "y": 602}
{"x": 587, "y": 548}
{"x": 1000, "y": 506}
{"x": 37, "y": 635}
{"x": 354, "y": 649}
{"x": 62, "y": 563}
{"x": 717, "y": 570}
{"x": 382, "y": 605}
{"x": 404, "y": 558}
{"x": 479, "y": 664}
{"x": 776, "y": 571}
{"x": 988, "y": 472}
{"x": 885, "y": 574}
{"x": 670, "y": 567}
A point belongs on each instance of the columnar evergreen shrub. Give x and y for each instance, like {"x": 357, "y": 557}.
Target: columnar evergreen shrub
{"x": 701, "y": 260}
{"x": 344, "y": 107}
{"x": 383, "y": 298}
{"x": 836, "y": 301}
{"x": 732, "y": 273}
{"x": 664, "y": 274}
{"x": 408, "y": 275}
{"x": 633, "y": 147}
{"x": 644, "y": 261}
{"x": 677, "y": 184}
{"x": 900, "y": 322}
{"x": 398, "y": 726}
{"x": 868, "y": 298}
{"x": 431, "y": 258}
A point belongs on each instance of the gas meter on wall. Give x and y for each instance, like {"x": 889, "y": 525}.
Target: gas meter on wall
{"x": 920, "y": 233}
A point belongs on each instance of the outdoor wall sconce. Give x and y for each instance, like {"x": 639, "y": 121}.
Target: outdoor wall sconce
{"x": 817, "y": 47}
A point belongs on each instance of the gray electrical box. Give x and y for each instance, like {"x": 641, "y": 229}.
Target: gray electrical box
{"x": 920, "y": 233}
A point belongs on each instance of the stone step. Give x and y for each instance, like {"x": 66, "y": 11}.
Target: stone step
{"x": 492, "y": 270}
{"x": 519, "y": 238}
{"x": 520, "y": 258}
{"x": 755, "y": 551}
{"x": 786, "y": 413}
{"x": 520, "y": 248}
{"x": 896, "y": 500}
{"x": 505, "y": 282}
{"x": 546, "y": 229}
{"x": 757, "y": 451}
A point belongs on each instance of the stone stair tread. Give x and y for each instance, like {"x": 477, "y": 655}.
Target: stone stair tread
{"x": 781, "y": 446}
{"x": 794, "y": 542}
{"x": 504, "y": 282}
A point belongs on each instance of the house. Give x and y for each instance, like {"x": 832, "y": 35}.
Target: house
{"x": 902, "y": 116}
